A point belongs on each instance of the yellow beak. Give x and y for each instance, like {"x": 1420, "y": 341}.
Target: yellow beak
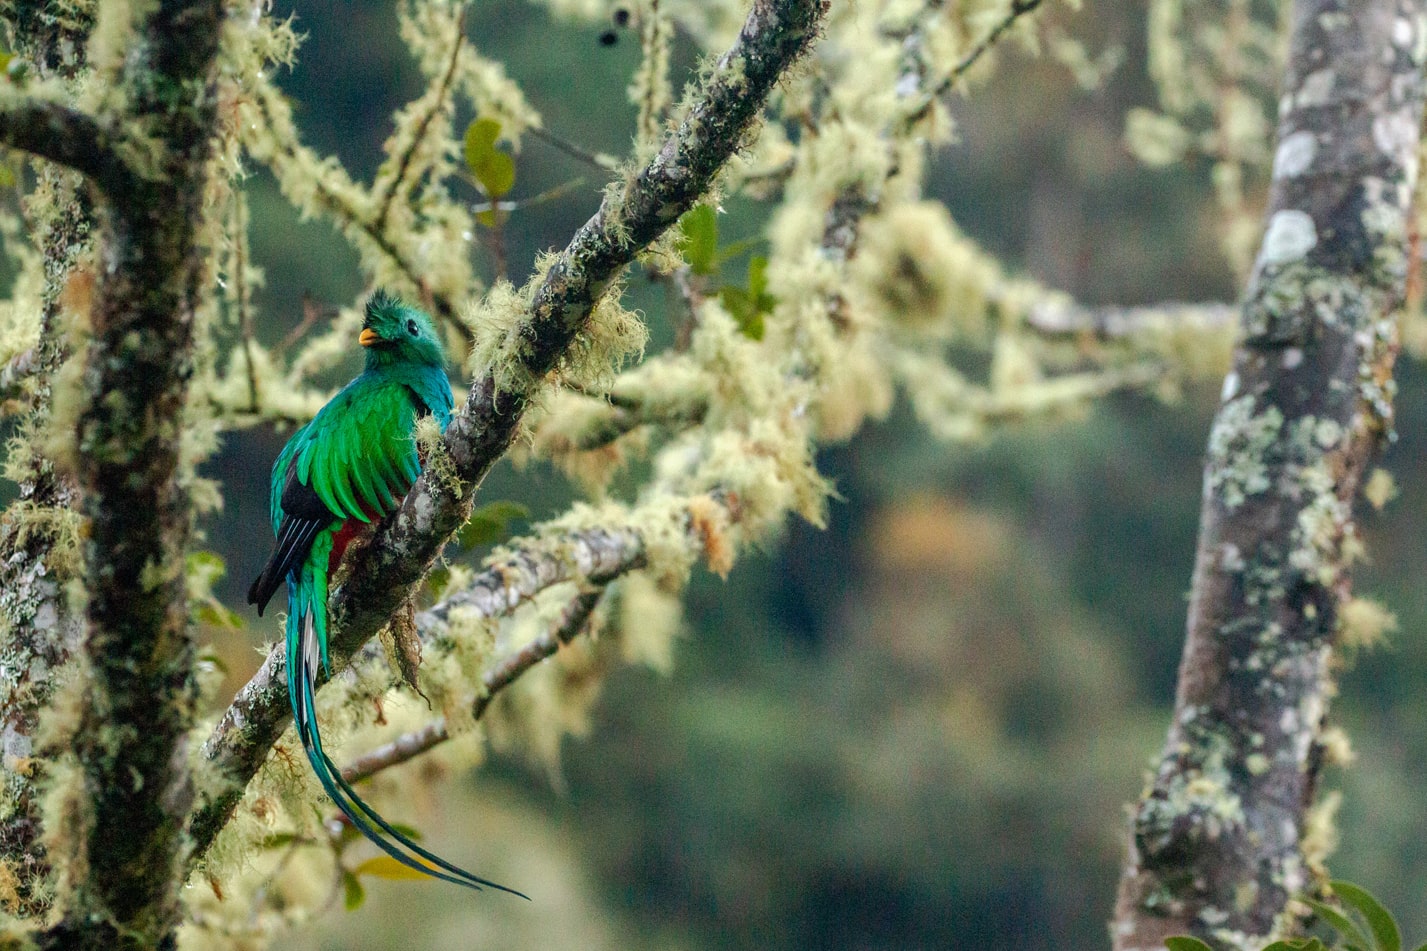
{"x": 368, "y": 337}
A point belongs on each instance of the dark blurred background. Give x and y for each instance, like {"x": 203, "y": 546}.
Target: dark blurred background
{"x": 917, "y": 728}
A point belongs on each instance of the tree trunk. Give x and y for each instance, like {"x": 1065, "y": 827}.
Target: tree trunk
{"x": 1217, "y": 846}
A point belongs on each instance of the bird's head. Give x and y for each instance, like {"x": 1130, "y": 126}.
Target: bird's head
{"x": 396, "y": 332}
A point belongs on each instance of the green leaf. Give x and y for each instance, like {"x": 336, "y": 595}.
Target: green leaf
{"x": 490, "y": 523}
{"x": 758, "y": 280}
{"x": 384, "y": 866}
{"x": 698, "y": 238}
{"x": 5, "y": 57}
{"x": 215, "y": 614}
{"x": 353, "y": 894}
{"x": 480, "y": 141}
{"x": 7, "y": 175}
{"x": 411, "y": 832}
{"x": 748, "y": 307}
{"x": 1186, "y": 943}
{"x": 493, "y": 169}
{"x": 1384, "y": 928}
{"x": 741, "y": 307}
{"x": 1338, "y": 921}
{"x": 278, "y": 839}
{"x": 498, "y": 175}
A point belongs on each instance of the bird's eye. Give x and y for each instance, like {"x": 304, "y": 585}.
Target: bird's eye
{"x": 411, "y": 327}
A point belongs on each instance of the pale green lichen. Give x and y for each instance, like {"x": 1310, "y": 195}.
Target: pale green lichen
{"x": 1364, "y": 623}
{"x": 499, "y": 349}
{"x": 1238, "y": 447}
{"x": 435, "y": 459}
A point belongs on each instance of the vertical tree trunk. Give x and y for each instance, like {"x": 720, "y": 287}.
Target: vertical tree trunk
{"x": 121, "y": 844}
{"x": 1217, "y": 836}
{"x": 39, "y": 632}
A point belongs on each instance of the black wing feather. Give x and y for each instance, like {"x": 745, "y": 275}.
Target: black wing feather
{"x": 304, "y": 516}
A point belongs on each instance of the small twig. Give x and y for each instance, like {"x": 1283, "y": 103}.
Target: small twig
{"x": 438, "y": 103}
{"x": 495, "y": 242}
{"x": 603, "y": 162}
{"x": 683, "y": 291}
{"x": 313, "y": 310}
{"x": 240, "y": 285}
{"x": 508, "y": 206}
{"x": 411, "y": 745}
{"x": 1062, "y": 317}
{"x": 1019, "y": 8}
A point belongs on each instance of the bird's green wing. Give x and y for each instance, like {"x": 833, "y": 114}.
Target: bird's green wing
{"x": 358, "y": 454}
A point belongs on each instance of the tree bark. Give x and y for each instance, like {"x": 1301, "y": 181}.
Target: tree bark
{"x": 121, "y": 843}
{"x": 39, "y": 630}
{"x": 1217, "y": 845}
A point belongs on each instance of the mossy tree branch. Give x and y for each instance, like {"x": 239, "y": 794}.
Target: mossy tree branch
{"x": 384, "y": 575}
{"x": 1218, "y": 846}
{"x": 408, "y": 746}
{"x": 53, "y": 131}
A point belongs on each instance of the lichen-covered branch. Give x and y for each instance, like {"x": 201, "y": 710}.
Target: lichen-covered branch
{"x": 1218, "y": 846}
{"x": 593, "y": 557}
{"x": 547, "y": 321}
{"x": 1059, "y": 316}
{"x": 408, "y": 746}
{"x": 50, "y": 129}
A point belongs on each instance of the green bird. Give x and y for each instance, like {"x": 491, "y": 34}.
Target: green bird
{"x": 350, "y": 466}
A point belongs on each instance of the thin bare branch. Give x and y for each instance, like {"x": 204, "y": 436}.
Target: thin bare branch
{"x": 606, "y": 162}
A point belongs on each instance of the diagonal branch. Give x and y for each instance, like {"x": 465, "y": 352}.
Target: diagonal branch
{"x": 386, "y": 574}
{"x": 53, "y": 131}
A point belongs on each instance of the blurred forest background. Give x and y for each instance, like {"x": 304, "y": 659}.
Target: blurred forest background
{"x": 918, "y": 728}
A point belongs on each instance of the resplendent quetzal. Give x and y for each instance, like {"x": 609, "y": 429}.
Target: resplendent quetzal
{"x": 351, "y": 466}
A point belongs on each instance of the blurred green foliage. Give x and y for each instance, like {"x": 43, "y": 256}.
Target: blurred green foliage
{"x": 917, "y": 728}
